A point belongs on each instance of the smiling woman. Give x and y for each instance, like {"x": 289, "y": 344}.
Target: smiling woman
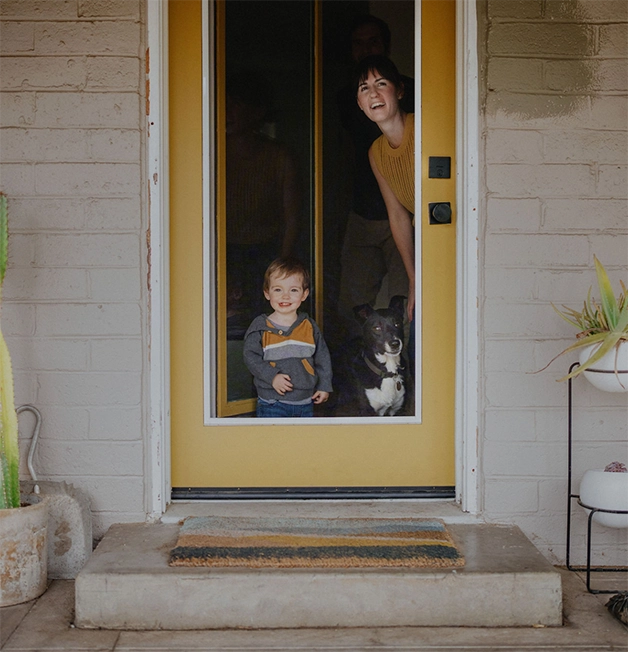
{"x": 379, "y": 91}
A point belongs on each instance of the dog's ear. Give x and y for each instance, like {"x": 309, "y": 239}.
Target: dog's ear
{"x": 362, "y": 312}
{"x": 397, "y": 303}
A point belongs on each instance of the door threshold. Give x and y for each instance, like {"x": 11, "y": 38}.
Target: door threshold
{"x": 447, "y": 510}
{"x": 311, "y": 493}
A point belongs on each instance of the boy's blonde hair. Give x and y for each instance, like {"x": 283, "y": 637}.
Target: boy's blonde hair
{"x": 287, "y": 266}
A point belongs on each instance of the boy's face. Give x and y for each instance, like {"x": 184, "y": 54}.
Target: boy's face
{"x": 286, "y": 293}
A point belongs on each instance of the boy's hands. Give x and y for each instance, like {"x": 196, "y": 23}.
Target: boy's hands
{"x": 281, "y": 384}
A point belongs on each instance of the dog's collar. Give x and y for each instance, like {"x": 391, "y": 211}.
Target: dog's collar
{"x": 377, "y": 370}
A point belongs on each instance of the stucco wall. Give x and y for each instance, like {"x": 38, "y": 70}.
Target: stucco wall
{"x": 556, "y": 152}
{"x": 72, "y": 79}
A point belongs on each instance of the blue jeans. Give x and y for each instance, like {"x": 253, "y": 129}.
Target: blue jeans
{"x": 270, "y": 410}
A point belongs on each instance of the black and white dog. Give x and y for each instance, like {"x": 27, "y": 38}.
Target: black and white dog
{"x": 374, "y": 381}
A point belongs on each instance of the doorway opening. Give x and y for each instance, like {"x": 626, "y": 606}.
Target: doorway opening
{"x": 219, "y": 453}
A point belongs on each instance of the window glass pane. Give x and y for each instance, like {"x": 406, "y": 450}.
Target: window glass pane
{"x": 295, "y": 165}
{"x": 269, "y": 109}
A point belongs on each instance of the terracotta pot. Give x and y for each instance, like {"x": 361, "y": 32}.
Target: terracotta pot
{"x": 606, "y": 490}
{"x": 602, "y": 375}
{"x": 23, "y": 551}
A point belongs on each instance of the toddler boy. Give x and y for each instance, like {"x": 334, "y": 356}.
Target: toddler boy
{"x": 285, "y": 351}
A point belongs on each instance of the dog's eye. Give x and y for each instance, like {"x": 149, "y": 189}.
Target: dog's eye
{"x": 377, "y": 328}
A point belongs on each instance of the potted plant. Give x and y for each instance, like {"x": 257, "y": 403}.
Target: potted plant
{"x": 602, "y": 336}
{"x": 607, "y": 489}
{"x": 23, "y": 526}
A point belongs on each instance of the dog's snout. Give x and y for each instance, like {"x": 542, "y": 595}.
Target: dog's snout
{"x": 395, "y": 345}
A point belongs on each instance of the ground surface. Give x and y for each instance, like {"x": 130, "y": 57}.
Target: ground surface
{"x": 46, "y": 624}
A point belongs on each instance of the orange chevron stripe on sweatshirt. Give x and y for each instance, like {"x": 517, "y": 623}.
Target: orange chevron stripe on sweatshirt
{"x": 298, "y": 344}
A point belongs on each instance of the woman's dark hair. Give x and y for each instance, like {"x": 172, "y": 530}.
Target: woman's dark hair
{"x": 376, "y": 63}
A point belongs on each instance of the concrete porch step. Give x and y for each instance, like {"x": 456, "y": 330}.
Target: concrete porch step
{"x": 127, "y": 584}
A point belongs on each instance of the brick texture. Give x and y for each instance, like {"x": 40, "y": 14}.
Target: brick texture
{"x": 556, "y": 154}
{"x": 71, "y": 92}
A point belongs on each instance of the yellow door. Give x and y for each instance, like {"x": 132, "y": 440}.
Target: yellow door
{"x": 219, "y": 453}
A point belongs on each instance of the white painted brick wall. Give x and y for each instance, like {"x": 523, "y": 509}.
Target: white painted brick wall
{"x": 71, "y": 85}
{"x": 556, "y": 150}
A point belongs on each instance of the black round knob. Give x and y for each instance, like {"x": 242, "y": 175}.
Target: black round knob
{"x": 442, "y": 213}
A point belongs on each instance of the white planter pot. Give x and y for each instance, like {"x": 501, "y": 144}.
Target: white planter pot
{"x": 602, "y": 375}
{"x": 606, "y": 490}
{"x": 23, "y": 552}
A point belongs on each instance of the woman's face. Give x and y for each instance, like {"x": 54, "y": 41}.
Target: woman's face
{"x": 378, "y": 97}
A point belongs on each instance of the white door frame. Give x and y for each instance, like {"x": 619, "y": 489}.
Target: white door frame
{"x": 157, "y": 479}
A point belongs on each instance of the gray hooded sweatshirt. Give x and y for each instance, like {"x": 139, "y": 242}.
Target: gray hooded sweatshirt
{"x": 298, "y": 351}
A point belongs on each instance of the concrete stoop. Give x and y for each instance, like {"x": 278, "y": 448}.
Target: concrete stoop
{"x": 127, "y": 584}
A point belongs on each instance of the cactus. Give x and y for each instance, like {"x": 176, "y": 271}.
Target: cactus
{"x": 9, "y": 451}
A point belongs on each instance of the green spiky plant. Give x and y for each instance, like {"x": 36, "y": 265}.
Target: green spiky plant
{"x": 604, "y": 323}
{"x": 9, "y": 451}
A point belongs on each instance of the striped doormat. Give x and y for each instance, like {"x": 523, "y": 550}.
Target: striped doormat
{"x": 314, "y": 543}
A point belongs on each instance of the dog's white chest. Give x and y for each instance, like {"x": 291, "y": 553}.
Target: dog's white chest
{"x": 387, "y": 399}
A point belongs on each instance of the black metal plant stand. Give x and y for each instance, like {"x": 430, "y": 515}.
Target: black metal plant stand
{"x": 588, "y": 568}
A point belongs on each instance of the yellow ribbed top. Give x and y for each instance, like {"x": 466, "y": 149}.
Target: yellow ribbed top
{"x": 397, "y": 164}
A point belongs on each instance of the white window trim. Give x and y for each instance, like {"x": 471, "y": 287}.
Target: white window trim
{"x": 157, "y": 449}
{"x": 467, "y": 258}
{"x": 157, "y": 478}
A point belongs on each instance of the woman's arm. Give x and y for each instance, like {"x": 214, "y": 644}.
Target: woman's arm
{"x": 402, "y": 230}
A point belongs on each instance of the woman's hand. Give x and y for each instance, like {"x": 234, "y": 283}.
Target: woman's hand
{"x": 281, "y": 384}
{"x": 411, "y": 298}
{"x": 320, "y": 397}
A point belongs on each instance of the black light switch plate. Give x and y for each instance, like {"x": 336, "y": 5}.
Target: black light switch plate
{"x": 439, "y": 167}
